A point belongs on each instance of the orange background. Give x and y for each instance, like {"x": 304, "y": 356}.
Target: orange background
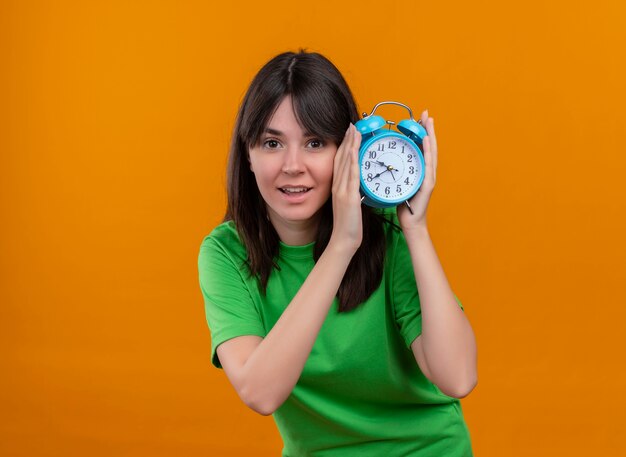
{"x": 115, "y": 119}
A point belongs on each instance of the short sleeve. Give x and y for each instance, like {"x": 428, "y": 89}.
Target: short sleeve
{"x": 405, "y": 295}
{"x": 229, "y": 309}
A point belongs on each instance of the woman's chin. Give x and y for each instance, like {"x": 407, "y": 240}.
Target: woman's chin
{"x": 296, "y": 216}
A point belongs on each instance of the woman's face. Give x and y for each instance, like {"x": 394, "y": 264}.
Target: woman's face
{"x": 294, "y": 173}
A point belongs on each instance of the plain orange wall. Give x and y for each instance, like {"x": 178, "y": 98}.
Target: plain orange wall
{"x": 114, "y": 125}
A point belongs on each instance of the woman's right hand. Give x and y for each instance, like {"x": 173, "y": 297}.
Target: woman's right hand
{"x": 347, "y": 226}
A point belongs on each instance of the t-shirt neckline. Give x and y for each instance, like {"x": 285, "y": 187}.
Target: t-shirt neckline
{"x": 304, "y": 251}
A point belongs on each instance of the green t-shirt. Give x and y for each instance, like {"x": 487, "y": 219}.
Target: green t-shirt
{"x": 361, "y": 392}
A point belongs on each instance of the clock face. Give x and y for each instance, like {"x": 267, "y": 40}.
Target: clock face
{"x": 391, "y": 167}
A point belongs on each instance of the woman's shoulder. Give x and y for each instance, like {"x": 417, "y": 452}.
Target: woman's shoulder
{"x": 225, "y": 238}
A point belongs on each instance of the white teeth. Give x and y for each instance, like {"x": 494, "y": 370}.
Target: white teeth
{"x": 294, "y": 189}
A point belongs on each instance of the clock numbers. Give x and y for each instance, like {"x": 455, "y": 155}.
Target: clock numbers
{"x": 389, "y": 168}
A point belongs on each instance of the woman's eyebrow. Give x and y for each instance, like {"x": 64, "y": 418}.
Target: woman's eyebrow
{"x": 273, "y": 132}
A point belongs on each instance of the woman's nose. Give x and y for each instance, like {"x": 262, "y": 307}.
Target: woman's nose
{"x": 293, "y": 161}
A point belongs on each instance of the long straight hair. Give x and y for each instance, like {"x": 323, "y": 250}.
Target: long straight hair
{"x": 323, "y": 105}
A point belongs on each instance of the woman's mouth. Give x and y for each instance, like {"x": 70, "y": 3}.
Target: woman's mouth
{"x": 294, "y": 190}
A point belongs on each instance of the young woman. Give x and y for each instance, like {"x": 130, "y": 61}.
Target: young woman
{"x": 335, "y": 318}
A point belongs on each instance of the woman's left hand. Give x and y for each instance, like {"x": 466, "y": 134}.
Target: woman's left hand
{"x": 419, "y": 202}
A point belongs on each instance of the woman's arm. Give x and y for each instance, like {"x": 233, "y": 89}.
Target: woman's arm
{"x": 266, "y": 377}
{"x": 446, "y": 349}
{"x": 264, "y": 373}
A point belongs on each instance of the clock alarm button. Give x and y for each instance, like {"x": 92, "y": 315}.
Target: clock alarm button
{"x": 413, "y": 130}
{"x": 370, "y": 124}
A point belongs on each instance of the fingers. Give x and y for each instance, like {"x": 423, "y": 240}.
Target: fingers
{"x": 429, "y": 124}
{"x": 355, "y": 181}
{"x": 339, "y": 156}
{"x": 347, "y": 169}
{"x": 342, "y": 172}
{"x": 424, "y": 118}
{"x": 429, "y": 159}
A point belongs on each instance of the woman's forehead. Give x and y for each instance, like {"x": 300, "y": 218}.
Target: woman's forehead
{"x": 285, "y": 121}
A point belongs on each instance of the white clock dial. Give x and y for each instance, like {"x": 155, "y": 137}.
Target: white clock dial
{"x": 391, "y": 168}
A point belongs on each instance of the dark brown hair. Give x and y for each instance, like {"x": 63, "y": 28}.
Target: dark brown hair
{"x": 324, "y": 106}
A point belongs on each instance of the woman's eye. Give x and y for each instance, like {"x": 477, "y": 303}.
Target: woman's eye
{"x": 316, "y": 144}
{"x": 272, "y": 144}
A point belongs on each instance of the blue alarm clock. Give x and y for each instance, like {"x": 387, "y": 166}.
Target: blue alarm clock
{"x": 391, "y": 163}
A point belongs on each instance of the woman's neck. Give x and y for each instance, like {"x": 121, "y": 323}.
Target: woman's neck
{"x": 296, "y": 233}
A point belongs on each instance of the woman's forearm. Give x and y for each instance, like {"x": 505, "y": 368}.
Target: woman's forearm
{"x": 275, "y": 366}
{"x": 448, "y": 340}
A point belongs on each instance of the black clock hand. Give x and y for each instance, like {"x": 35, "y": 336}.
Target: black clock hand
{"x": 389, "y": 168}
{"x": 374, "y": 177}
